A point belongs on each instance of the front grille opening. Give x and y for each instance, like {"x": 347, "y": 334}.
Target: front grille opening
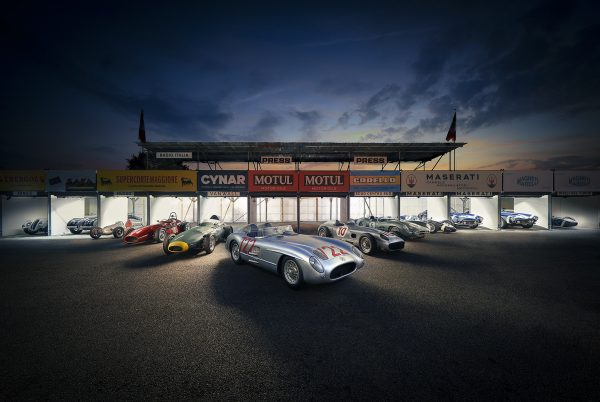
{"x": 175, "y": 248}
{"x": 342, "y": 270}
{"x": 396, "y": 246}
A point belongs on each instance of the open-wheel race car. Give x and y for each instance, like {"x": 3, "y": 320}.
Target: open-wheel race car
{"x": 36, "y": 226}
{"x": 367, "y": 239}
{"x": 524, "y": 220}
{"x": 117, "y": 230}
{"x": 203, "y": 237}
{"x": 563, "y": 222}
{"x": 403, "y": 229}
{"x": 158, "y": 231}
{"x": 444, "y": 226}
{"x": 297, "y": 258}
{"x": 465, "y": 219}
{"x": 78, "y": 225}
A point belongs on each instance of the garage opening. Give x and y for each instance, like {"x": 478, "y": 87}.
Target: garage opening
{"x": 364, "y": 207}
{"x": 524, "y": 212}
{"x": 435, "y": 208}
{"x": 576, "y": 212}
{"x": 115, "y": 209}
{"x": 24, "y": 215}
{"x": 229, "y": 209}
{"x": 184, "y": 207}
{"x": 72, "y": 214}
{"x": 484, "y": 209}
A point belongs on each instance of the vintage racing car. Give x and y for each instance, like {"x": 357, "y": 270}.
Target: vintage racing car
{"x": 367, "y": 239}
{"x": 117, "y": 230}
{"x": 445, "y": 226}
{"x": 563, "y": 222}
{"x": 37, "y": 226}
{"x": 203, "y": 237}
{"x": 403, "y": 229}
{"x": 299, "y": 259}
{"x": 78, "y": 225}
{"x": 157, "y": 232}
{"x": 524, "y": 220}
{"x": 465, "y": 219}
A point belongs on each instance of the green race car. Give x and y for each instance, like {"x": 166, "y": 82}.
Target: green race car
{"x": 203, "y": 237}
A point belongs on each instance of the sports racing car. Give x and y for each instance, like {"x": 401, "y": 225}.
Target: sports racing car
{"x": 299, "y": 259}
{"x": 445, "y": 226}
{"x": 465, "y": 219}
{"x": 403, "y": 229}
{"x": 563, "y": 222}
{"x": 157, "y": 232}
{"x": 367, "y": 239}
{"x": 524, "y": 220}
{"x": 78, "y": 225}
{"x": 203, "y": 237}
{"x": 36, "y": 226}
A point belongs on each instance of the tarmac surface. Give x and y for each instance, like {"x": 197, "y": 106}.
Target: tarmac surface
{"x": 474, "y": 315}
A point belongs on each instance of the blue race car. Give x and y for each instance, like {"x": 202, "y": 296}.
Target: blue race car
{"x": 466, "y": 219}
{"x": 517, "y": 219}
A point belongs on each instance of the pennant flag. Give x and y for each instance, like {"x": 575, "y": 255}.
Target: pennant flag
{"x": 142, "y": 130}
{"x": 452, "y": 132}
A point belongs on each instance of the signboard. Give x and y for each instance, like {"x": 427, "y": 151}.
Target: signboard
{"x": 174, "y": 155}
{"x": 223, "y": 193}
{"x": 223, "y": 181}
{"x": 324, "y": 181}
{"x": 370, "y": 160}
{"x": 22, "y": 180}
{"x": 374, "y": 180}
{"x": 183, "y": 181}
{"x": 276, "y": 159}
{"x": 272, "y": 181}
{"x": 527, "y": 181}
{"x": 474, "y": 182}
{"x": 60, "y": 181}
{"x": 577, "y": 181}
{"x": 373, "y": 194}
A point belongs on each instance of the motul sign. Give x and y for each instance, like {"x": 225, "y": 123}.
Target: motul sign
{"x": 272, "y": 181}
{"x": 325, "y": 182}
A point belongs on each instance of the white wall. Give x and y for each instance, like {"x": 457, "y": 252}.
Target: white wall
{"x": 235, "y": 211}
{"x": 62, "y": 211}
{"x": 413, "y": 205}
{"x": 585, "y": 210}
{"x": 161, "y": 207}
{"x": 113, "y": 209}
{"x": 377, "y": 206}
{"x": 437, "y": 208}
{"x": 487, "y": 208}
{"x": 534, "y": 205}
{"x": 17, "y": 210}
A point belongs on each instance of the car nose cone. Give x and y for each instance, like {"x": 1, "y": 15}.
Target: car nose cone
{"x": 178, "y": 247}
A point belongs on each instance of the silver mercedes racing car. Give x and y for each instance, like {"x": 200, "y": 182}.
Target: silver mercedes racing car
{"x": 365, "y": 238}
{"x": 299, "y": 259}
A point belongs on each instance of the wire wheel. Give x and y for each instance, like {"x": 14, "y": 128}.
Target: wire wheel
{"x": 291, "y": 272}
{"x": 366, "y": 246}
{"x": 234, "y": 249}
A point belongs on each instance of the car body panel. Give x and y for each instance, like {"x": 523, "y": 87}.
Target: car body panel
{"x": 146, "y": 233}
{"x": 82, "y": 224}
{"x": 465, "y": 219}
{"x": 194, "y": 238}
{"x": 522, "y": 219}
{"x": 406, "y": 230}
{"x": 563, "y": 222}
{"x": 351, "y": 233}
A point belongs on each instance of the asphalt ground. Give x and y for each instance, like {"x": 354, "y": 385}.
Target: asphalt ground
{"x": 474, "y": 315}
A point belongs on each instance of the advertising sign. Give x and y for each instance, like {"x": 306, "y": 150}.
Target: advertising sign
{"x": 272, "y": 181}
{"x": 373, "y": 194}
{"x": 60, "y": 181}
{"x": 466, "y": 182}
{"x": 22, "y": 180}
{"x": 276, "y": 159}
{"x": 576, "y": 181}
{"x": 374, "y": 181}
{"x": 324, "y": 181}
{"x": 370, "y": 160}
{"x": 174, "y": 155}
{"x": 219, "y": 181}
{"x": 527, "y": 181}
{"x": 183, "y": 181}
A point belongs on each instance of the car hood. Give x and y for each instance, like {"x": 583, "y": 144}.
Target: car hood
{"x": 520, "y": 215}
{"x": 144, "y": 230}
{"x": 464, "y": 215}
{"x": 305, "y": 242}
{"x": 193, "y": 234}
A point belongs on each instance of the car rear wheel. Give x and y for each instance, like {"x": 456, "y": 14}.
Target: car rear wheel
{"x": 473, "y": 225}
{"x": 503, "y": 224}
{"x": 365, "y": 243}
{"x": 323, "y": 232}
{"x": 528, "y": 226}
{"x": 234, "y": 250}
{"x": 75, "y": 231}
{"x": 118, "y": 232}
{"x": 160, "y": 235}
{"x": 166, "y": 243}
{"x": 95, "y": 233}
{"x": 432, "y": 228}
{"x": 210, "y": 244}
{"x": 292, "y": 274}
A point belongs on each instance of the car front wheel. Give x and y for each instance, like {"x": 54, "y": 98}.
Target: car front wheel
{"x": 365, "y": 244}
{"x": 160, "y": 235}
{"x": 210, "y": 244}
{"x": 292, "y": 274}
{"x": 95, "y": 233}
{"x": 234, "y": 250}
{"x": 118, "y": 232}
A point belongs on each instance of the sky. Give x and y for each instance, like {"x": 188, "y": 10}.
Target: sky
{"x": 522, "y": 76}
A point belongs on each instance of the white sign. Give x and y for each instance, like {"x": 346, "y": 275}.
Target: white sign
{"x": 373, "y": 194}
{"x": 370, "y": 160}
{"x": 70, "y": 180}
{"x": 527, "y": 181}
{"x": 418, "y": 182}
{"x": 577, "y": 180}
{"x": 222, "y": 193}
{"x": 271, "y": 159}
{"x": 174, "y": 155}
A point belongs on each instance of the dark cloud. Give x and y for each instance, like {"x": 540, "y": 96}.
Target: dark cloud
{"x": 340, "y": 87}
{"x": 309, "y": 119}
{"x": 566, "y": 162}
{"x": 264, "y": 129}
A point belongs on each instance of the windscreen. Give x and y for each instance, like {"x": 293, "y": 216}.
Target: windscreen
{"x": 285, "y": 230}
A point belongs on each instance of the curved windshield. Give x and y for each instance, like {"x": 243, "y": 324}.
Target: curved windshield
{"x": 283, "y": 230}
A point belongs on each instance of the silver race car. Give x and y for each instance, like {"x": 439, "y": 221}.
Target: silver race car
{"x": 299, "y": 259}
{"x": 405, "y": 230}
{"x": 365, "y": 238}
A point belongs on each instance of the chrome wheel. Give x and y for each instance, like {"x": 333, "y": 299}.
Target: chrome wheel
{"x": 291, "y": 272}
{"x": 234, "y": 249}
{"x": 323, "y": 232}
{"x": 365, "y": 245}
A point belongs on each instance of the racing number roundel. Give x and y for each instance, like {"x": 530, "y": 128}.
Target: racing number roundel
{"x": 342, "y": 231}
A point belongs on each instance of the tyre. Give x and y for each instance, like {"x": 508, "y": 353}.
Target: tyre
{"x": 473, "y": 225}
{"x": 234, "y": 250}
{"x": 292, "y": 273}
{"x": 432, "y": 227}
{"x": 118, "y": 232}
{"x": 28, "y": 231}
{"x": 529, "y": 226}
{"x": 323, "y": 232}
{"x": 160, "y": 235}
{"x": 209, "y": 247}
{"x": 503, "y": 224}
{"x": 95, "y": 233}
{"x": 226, "y": 232}
{"x": 75, "y": 231}
{"x": 166, "y": 242}
{"x": 366, "y": 245}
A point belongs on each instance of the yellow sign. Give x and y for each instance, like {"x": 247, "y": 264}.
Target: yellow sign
{"x": 182, "y": 181}
{"x": 22, "y": 180}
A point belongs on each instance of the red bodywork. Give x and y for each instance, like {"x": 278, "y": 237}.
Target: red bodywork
{"x": 146, "y": 233}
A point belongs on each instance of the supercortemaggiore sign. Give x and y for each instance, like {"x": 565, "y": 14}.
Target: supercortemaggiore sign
{"x": 228, "y": 182}
{"x": 272, "y": 181}
{"x": 374, "y": 181}
{"x": 324, "y": 182}
{"x": 527, "y": 181}
{"x": 181, "y": 181}
{"x": 472, "y": 182}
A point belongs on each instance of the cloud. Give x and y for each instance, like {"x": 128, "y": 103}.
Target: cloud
{"x": 309, "y": 119}
{"x": 266, "y": 125}
{"x": 566, "y": 162}
{"x": 340, "y": 87}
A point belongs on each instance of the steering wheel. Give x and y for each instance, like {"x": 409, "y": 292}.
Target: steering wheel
{"x": 173, "y": 215}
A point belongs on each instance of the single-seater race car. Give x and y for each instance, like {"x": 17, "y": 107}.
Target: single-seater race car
{"x": 157, "y": 232}
{"x": 402, "y": 229}
{"x": 563, "y": 222}
{"x": 367, "y": 239}
{"x": 524, "y": 220}
{"x": 445, "y": 226}
{"x": 465, "y": 219}
{"x": 78, "y": 225}
{"x": 299, "y": 259}
{"x": 203, "y": 237}
{"x": 117, "y": 230}
{"x": 37, "y": 226}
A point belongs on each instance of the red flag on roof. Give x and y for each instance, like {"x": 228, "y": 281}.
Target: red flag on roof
{"x": 142, "y": 130}
{"x": 451, "y": 136}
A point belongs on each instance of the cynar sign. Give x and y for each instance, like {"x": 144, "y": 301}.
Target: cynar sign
{"x": 272, "y": 181}
{"x": 223, "y": 181}
{"x": 324, "y": 182}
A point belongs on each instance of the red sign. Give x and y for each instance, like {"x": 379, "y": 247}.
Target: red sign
{"x": 324, "y": 182}
{"x": 272, "y": 181}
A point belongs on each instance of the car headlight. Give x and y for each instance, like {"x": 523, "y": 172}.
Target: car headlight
{"x": 316, "y": 264}
{"x": 535, "y": 218}
{"x": 356, "y": 251}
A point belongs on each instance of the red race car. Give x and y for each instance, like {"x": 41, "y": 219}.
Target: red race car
{"x": 156, "y": 232}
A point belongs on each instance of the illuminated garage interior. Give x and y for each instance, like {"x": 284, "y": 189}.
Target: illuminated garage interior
{"x": 185, "y": 207}
{"x": 17, "y": 210}
{"x": 275, "y": 209}
{"x": 65, "y": 208}
{"x": 486, "y": 207}
{"x": 229, "y": 209}
{"x": 363, "y": 207}
{"x": 120, "y": 208}
{"x": 584, "y": 209}
{"x": 538, "y": 206}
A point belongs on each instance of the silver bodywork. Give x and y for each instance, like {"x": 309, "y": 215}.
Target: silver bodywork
{"x": 266, "y": 246}
{"x": 352, "y": 233}
{"x": 406, "y": 230}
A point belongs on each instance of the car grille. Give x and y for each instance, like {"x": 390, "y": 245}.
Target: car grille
{"x": 396, "y": 246}
{"x": 175, "y": 248}
{"x": 342, "y": 270}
